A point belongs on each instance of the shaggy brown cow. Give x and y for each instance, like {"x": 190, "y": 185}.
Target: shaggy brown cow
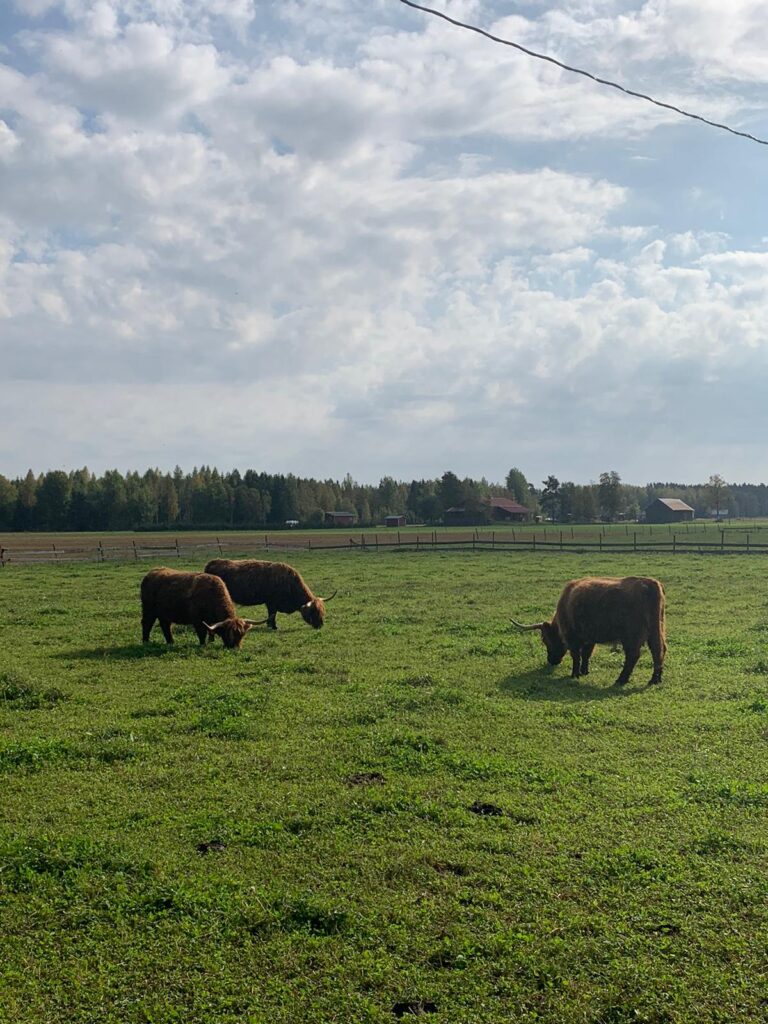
{"x": 275, "y": 584}
{"x": 191, "y": 599}
{"x": 628, "y": 611}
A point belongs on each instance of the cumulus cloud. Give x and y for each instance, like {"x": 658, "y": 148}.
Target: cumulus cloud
{"x": 432, "y": 252}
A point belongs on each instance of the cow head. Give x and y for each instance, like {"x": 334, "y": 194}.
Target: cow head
{"x": 313, "y": 612}
{"x": 231, "y": 631}
{"x": 550, "y": 637}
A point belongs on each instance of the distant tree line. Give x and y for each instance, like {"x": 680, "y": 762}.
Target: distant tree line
{"x": 206, "y": 497}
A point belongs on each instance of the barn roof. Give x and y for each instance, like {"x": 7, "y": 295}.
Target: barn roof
{"x": 506, "y": 504}
{"x": 675, "y": 504}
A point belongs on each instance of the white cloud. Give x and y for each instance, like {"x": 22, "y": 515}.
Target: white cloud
{"x": 428, "y": 247}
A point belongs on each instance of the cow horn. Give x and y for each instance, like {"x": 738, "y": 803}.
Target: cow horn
{"x": 213, "y": 628}
{"x": 520, "y": 626}
{"x": 327, "y": 599}
{"x": 255, "y": 622}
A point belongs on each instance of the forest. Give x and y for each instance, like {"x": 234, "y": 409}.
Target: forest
{"x": 207, "y": 497}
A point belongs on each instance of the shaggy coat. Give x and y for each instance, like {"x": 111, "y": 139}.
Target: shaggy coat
{"x": 190, "y": 599}
{"x": 275, "y": 584}
{"x": 628, "y": 611}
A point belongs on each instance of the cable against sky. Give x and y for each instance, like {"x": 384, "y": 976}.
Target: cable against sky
{"x": 580, "y": 71}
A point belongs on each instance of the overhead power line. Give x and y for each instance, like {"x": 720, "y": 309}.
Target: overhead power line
{"x": 580, "y": 71}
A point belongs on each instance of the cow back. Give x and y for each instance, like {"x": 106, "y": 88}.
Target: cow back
{"x": 254, "y": 581}
{"x": 603, "y": 610}
{"x": 186, "y": 597}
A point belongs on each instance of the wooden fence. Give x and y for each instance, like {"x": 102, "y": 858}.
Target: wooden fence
{"x": 510, "y": 540}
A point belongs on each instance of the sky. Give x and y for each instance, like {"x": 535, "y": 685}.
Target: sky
{"x": 343, "y": 236}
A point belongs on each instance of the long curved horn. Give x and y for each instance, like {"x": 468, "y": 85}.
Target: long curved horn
{"x": 214, "y": 627}
{"x": 327, "y": 599}
{"x": 520, "y": 626}
{"x": 254, "y": 622}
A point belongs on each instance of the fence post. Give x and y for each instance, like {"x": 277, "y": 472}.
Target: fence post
{"x": 600, "y": 540}
{"x": 2, "y": 557}
{"x": 266, "y": 542}
{"x": 674, "y": 543}
{"x": 534, "y": 541}
{"x": 377, "y": 540}
{"x": 218, "y": 545}
{"x": 722, "y": 542}
{"x": 101, "y": 551}
{"x": 135, "y": 551}
{"x": 561, "y": 540}
{"x": 178, "y": 550}
{"x": 634, "y": 541}
{"x": 493, "y": 540}
{"x": 55, "y": 553}
{"x": 747, "y": 543}
{"x": 398, "y": 538}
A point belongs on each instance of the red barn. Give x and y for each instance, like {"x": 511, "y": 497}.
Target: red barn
{"x": 394, "y": 520}
{"x": 507, "y": 510}
{"x": 339, "y": 518}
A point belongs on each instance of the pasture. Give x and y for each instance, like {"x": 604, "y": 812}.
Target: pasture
{"x": 404, "y": 813}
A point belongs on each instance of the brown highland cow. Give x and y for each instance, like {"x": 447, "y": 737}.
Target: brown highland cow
{"x": 275, "y": 584}
{"x": 190, "y": 599}
{"x": 628, "y": 611}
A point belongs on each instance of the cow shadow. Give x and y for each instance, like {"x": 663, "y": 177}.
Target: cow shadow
{"x": 544, "y": 685}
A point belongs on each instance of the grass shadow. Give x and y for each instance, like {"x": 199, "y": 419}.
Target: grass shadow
{"x": 126, "y": 652}
{"x": 543, "y": 685}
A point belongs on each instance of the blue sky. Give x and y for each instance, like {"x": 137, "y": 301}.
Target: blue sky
{"x": 326, "y": 237}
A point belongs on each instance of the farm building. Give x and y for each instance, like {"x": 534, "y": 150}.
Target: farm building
{"x": 339, "y": 518}
{"x": 394, "y": 520}
{"x": 507, "y": 510}
{"x": 456, "y": 516}
{"x": 668, "y": 510}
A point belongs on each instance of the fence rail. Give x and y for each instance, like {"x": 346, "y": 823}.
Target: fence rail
{"x": 131, "y": 550}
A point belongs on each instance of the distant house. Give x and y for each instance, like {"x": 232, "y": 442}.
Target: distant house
{"x": 394, "y": 520}
{"x": 507, "y": 510}
{"x": 668, "y": 510}
{"x": 339, "y": 518}
{"x": 456, "y": 516}
{"x": 292, "y": 522}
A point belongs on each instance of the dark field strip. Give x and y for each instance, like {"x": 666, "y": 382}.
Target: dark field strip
{"x": 700, "y": 538}
{"x": 403, "y": 814}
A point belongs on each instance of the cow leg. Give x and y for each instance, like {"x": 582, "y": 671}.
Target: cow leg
{"x": 586, "y": 654}
{"x": 658, "y": 650}
{"x": 166, "y": 628}
{"x": 202, "y": 634}
{"x": 631, "y": 654}
{"x": 271, "y": 618}
{"x": 576, "y": 659}
{"x": 147, "y": 622}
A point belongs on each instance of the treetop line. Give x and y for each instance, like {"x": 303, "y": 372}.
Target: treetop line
{"x": 207, "y": 497}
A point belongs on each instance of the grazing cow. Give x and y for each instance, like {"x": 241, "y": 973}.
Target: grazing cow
{"x": 275, "y": 584}
{"x": 628, "y": 611}
{"x": 190, "y": 599}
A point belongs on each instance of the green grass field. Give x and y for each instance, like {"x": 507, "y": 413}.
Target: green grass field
{"x": 404, "y": 813}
